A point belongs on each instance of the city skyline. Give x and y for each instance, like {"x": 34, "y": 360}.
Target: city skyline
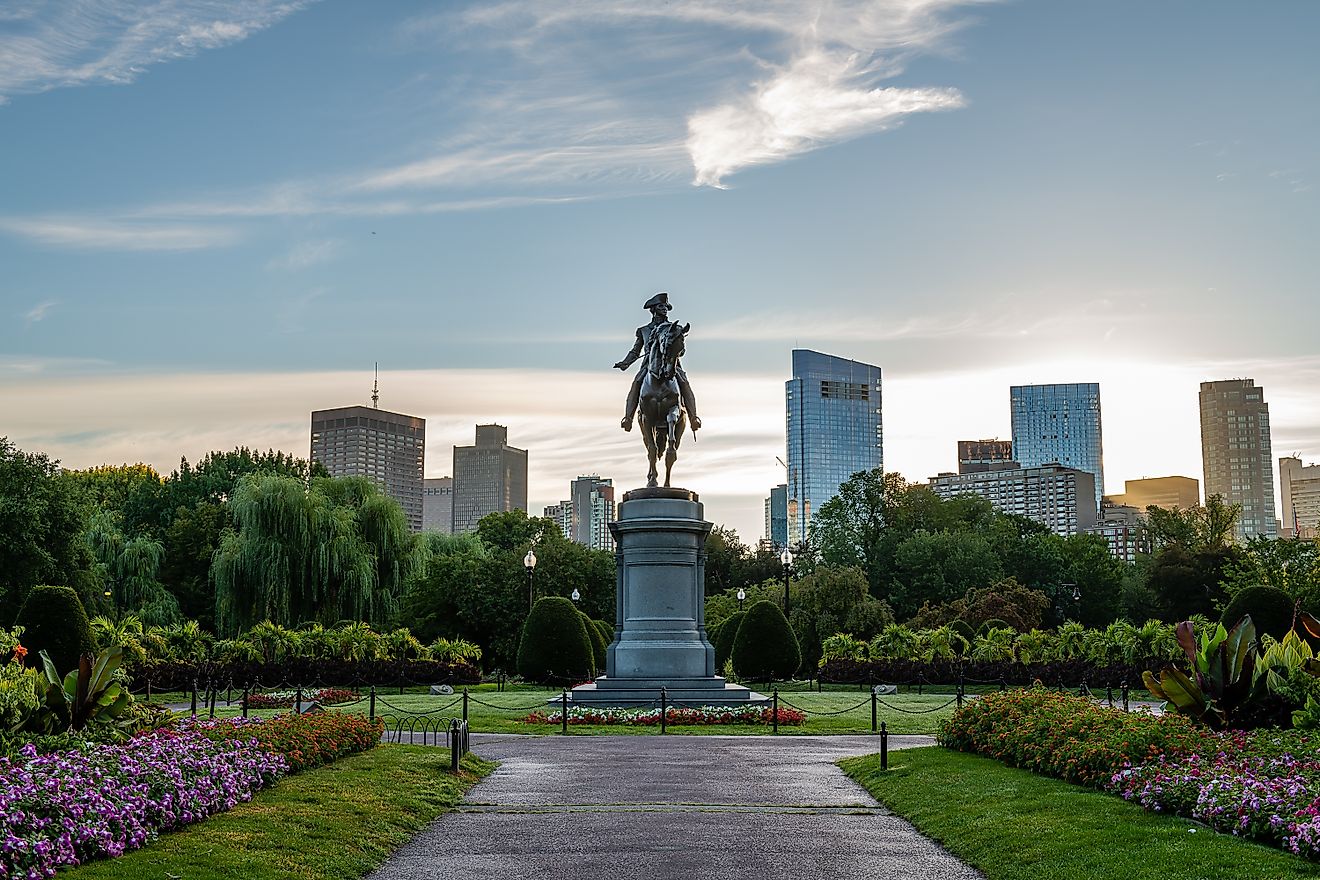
{"x": 216, "y": 219}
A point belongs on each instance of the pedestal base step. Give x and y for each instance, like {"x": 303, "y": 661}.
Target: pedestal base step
{"x": 635, "y": 693}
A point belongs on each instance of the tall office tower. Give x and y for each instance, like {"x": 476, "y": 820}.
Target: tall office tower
{"x": 438, "y": 505}
{"x": 978, "y": 456}
{"x": 1166, "y": 492}
{"x": 1061, "y": 498}
{"x": 776, "y": 516}
{"x": 591, "y": 500}
{"x": 490, "y": 477}
{"x": 562, "y": 515}
{"x": 1059, "y": 424}
{"x": 1299, "y": 488}
{"x": 387, "y": 447}
{"x": 1236, "y": 453}
{"x": 834, "y": 430}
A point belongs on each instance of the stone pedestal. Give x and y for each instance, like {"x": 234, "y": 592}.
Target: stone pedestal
{"x": 660, "y": 617}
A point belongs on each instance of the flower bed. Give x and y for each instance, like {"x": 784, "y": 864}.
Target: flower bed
{"x": 102, "y": 800}
{"x": 673, "y": 715}
{"x": 1069, "y": 737}
{"x": 1263, "y": 784}
{"x": 66, "y": 808}
{"x": 286, "y": 699}
{"x": 304, "y": 741}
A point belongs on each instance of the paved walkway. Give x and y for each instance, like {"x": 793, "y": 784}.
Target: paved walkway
{"x": 638, "y": 807}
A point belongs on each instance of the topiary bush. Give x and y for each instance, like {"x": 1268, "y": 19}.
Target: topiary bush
{"x": 606, "y": 631}
{"x": 723, "y": 640}
{"x": 598, "y": 643}
{"x": 765, "y": 647}
{"x": 555, "y": 647}
{"x": 54, "y": 621}
{"x": 964, "y": 629}
{"x": 1270, "y": 608}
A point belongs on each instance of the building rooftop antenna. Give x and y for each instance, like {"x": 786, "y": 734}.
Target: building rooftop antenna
{"x": 375, "y": 389}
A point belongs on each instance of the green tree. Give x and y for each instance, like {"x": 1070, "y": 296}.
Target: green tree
{"x": 833, "y": 600}
{"x": 938, "y": 567}
{"x": 294, "y": 554}
{"x": 41, "y": 524}
{"x": 1288, "y": 564}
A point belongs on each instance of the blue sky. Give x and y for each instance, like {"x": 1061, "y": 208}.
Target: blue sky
{"x": 215, "y": 217}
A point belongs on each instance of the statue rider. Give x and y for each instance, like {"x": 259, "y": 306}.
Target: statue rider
{"x": 659, "y": 308}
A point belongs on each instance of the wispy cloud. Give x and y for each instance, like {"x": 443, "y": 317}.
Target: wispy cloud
{"x": 39, "y": 312}
{"x": 305, "y": 254}
{"x": 101, "y": 233}
{"x": 46, "y": 46}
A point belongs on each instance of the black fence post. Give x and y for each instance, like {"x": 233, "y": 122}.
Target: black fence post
{"x": 664, "y": 710}
{"x": 465, "y": 704}
{"x": 229, "y": 692}
{"x": 1125, "y": 696}
{"x": 563, "y": 712}
{"x": 245, "y": 701}
{"x": 884, "y": 747}
{"x": 211, "y": 710}
{"x": 148, "y": 690}
{"x": 774, "y": 715}
{"x": 960, "y": 686}
{"x": 297, "y": 700}
{"x": 372, "y": 711}
{"x": 874, "y": 701}
{"x": 193, "y": 710}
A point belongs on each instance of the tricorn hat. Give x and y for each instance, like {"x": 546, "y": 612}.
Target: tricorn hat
{"x": 661, "y": 298}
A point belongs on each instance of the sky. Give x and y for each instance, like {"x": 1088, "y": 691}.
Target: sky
{"x": 216, "y": 217}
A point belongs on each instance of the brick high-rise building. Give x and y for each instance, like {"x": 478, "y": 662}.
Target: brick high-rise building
{"x": 1236, "y": 452}
{"x": 978, "y": 456}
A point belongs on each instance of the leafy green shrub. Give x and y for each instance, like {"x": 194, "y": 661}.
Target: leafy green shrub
{"x": 555, "y": 647}
{"x": 54, "y": 621}
{"x": 606, "y": 632}
{"x": 765, "y": 647}
{"x": 1072, "y": 738}
{"x": 598, "y": 643}
{"x": 724, "y": 641}
{"x": 1270, "y": 608}
{"x": 842, "y": 646}
{"x": 992, "y": 623}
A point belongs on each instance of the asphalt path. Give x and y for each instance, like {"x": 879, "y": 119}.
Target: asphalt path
{"x": 637, "y": 807}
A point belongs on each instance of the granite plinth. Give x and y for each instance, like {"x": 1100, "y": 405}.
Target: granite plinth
{"x": 660, "y": 636}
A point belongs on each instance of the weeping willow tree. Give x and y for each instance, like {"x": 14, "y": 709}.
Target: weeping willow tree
{"x": 337, "y": 551}
{"x": 130, "y": 568}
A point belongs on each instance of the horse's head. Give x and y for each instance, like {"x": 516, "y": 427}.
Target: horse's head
{"x": 668, "y": 345}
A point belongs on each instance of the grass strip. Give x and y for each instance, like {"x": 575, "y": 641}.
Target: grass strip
{"x": 1014, "y": 825}
{"x": 339, "y": 821}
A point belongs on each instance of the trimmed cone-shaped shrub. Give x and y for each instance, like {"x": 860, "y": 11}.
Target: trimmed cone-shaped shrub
{"x": 964, "y": 629}
{"x": 54, "y": 621}
{"x": 723, "y": 640}
{"x": 606, "y": 631}
{"x": 1270, "y": 608}
{"x": 598, "y": 643}
{"x": 555, "y": 647}
{"x": 765, "y": 647}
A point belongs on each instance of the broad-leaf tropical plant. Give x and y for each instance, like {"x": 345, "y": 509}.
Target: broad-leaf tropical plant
{"x": 1222, "y": 680}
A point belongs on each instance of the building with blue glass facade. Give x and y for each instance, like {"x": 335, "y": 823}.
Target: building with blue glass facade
{"x": 832, "y": 415}
{"x": 1059, "y": 424}
{"x": 776, "y": 516}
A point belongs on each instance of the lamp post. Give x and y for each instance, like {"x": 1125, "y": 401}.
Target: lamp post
{"x": 787, "y": 559}
{"x": 529, "y": 563}
{"x": 742, "y": 594}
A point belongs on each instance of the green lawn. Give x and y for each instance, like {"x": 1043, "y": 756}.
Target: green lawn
{"x": 490, "y": 711}
{"x": 339, "y": 821}
{"x": 1014, "y": 825}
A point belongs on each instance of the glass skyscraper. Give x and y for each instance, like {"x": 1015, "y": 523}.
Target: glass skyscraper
{"x": 1059, "y": 424}
{"x": 832, "y": 412}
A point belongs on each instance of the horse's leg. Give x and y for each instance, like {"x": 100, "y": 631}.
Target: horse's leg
{"x": 648, "y": 437}
{"x": 675, "y": 429}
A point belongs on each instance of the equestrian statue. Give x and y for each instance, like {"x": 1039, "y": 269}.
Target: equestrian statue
{"x": 660, "y": 395}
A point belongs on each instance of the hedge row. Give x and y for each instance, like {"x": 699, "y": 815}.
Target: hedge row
{"x": 1069, "y": 673}
{"x": 182, "y": 676}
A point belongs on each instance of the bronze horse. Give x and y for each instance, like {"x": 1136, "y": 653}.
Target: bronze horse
{"x": 661, "y": 415}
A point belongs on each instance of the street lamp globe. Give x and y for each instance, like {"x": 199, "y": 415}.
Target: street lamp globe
{"x": 786, "y": 557}
{"x": 529, "y": 561}
{"x": 576, "y": 595}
